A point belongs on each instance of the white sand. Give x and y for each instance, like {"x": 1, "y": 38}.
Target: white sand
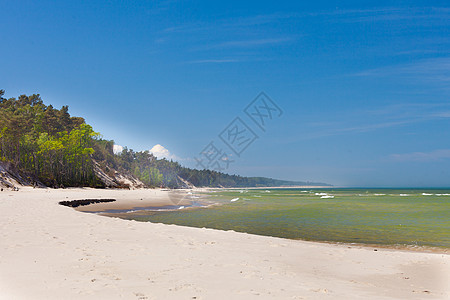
{"x": 48, "y": 251}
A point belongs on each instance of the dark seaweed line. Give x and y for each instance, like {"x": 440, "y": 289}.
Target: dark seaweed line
{"x": 76, "y": 203}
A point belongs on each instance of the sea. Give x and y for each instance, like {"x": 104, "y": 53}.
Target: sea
{"x": 393, "y": 218}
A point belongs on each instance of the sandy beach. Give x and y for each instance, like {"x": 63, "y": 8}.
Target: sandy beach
{"x": 49, "y": 251}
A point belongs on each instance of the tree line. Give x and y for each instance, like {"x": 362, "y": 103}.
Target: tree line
{"x": 49, "y": 145}
{"x": 45, "y": 143}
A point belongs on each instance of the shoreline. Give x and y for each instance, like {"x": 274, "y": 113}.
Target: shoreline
{"x": 58, "y": 252}
{"x": 167, "y": 204}
{"x": 123, "y": 206}
{"x": 376, "y": 247}
{"x": 272, "y": 187}
{"x": 160, "y": 198}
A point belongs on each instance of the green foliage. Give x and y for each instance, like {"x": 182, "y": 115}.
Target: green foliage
{"x": 46, "y": 143}
{"x": 57, "y": 149}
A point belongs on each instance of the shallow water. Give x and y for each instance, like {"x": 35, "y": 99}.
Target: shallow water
{"x": 389, "y": 217}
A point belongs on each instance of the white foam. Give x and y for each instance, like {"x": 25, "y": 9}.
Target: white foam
{"x": 426, "y": 194}
{"x": 327, "y": 197}
{"x": 235, "y": 199}
{"x": 321, "y": 194}
{"x": 404, "y": 195}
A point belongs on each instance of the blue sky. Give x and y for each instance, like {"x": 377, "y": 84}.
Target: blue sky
{"x": 364, "y": 88}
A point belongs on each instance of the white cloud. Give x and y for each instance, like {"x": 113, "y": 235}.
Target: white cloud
{"x": 435, "y": 155}
{"x": 161, "y": 152}
{"x": 433, "y": 71}
{"x": 117, "y": 149}
{"x": 245, "y": 43}
{"x": 158, "y": 150}
{"x": 444, "y": 114}
{"x": 252, "y": 43}
{"x": 213, "y": 61}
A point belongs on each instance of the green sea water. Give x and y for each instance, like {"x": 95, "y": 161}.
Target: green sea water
{"x": 392, "y": 217}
